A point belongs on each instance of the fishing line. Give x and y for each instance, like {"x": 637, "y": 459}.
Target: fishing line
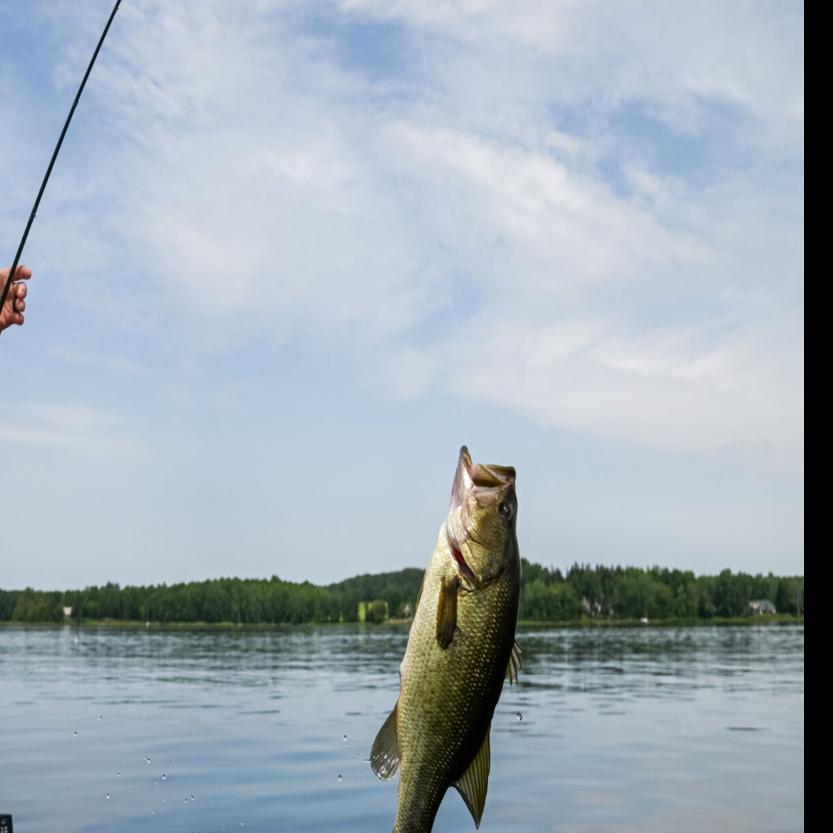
{"x": 54, "y": 157}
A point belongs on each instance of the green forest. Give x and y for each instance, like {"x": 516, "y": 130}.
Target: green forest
{"x": 583, "y": 593}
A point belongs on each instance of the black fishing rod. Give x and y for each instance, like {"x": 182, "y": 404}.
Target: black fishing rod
{"x": 54, "y": 157}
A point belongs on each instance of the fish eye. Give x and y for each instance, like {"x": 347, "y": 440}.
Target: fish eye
{"x": 505, "y": 509}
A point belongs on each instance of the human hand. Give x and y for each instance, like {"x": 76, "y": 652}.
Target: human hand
{"x": 12, "y": 312}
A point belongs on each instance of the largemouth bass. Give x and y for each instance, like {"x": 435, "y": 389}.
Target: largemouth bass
{"x": 461, "y": 647}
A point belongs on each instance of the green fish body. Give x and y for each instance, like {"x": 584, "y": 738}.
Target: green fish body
{"x": 460, "y": 649}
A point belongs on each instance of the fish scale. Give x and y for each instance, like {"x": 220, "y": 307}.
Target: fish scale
{"x": 446, "y": 711}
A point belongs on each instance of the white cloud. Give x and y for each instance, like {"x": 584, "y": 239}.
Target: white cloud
{"x": 677, "y": 59}
{"x": 66, "y": 425}
{"x": 536, "y": 226}
{"x": 481, "y": 221}
{"x": 567, "y": 271}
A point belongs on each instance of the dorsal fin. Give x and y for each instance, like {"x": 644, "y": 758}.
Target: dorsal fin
{"x": 514, "y": 664}
{"x": 475, "y": 781}
{"x": 384, "y": 756}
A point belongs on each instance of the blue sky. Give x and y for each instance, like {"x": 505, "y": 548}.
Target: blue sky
{"x": 293, "y": 255}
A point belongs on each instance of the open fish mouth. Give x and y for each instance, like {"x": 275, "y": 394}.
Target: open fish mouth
{"x": 488, "y": 484}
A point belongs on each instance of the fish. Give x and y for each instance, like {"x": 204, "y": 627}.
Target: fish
{"x": 461, "y": 647}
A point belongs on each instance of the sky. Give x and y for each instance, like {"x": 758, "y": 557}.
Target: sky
{"x": 293, "y": 255}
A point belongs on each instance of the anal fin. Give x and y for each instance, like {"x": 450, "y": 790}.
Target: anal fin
{"x": 384, "y": 756}
{"x": 475, "y": 781}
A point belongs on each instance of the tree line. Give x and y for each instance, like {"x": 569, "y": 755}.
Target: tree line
{"x": 548, "y": 594}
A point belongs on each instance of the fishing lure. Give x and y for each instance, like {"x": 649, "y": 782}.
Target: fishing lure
{"x": 10, "y": 279}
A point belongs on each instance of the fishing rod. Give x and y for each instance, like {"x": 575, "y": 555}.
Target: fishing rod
{"x": 54, "y": 157}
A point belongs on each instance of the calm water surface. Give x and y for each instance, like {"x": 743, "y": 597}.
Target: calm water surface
{"x": 650, "y": 731}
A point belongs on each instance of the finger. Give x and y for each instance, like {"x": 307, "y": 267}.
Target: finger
{"x": 19, "y": 305}
{"x": 22, "y": 273}
{"x": 20, "y": 290}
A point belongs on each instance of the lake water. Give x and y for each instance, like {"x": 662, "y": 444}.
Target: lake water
{"x": 644, "y": 730}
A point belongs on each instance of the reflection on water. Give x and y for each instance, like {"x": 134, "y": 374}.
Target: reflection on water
{"x": 646, "y": 730}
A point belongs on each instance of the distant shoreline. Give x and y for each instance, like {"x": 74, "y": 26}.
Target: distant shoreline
{"x": 584, "y": 596}
{"x": 532, "y": 624}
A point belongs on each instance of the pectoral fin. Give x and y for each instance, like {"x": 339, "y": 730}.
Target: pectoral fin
{"x": 475, "y": 781}
{"x": 514, "y": 664}
{"x": 384, "y": 756}
{"x": 447, "y": 611}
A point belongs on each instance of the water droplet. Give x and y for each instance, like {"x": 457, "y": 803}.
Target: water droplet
{"x": 147, "y": 760}
{"x": 339, "y": 778}
{"x": 242, "y": 823}
{"x": 75, "y": 732}
{"x": 107, "y": 796}
{"x": 192, "y": 797}
{"x": 519, "y": 716}
{"x": 101, "y": 717}
{"x": 164, "y": 777}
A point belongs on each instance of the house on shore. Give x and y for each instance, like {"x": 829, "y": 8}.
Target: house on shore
{"x": 758, "y": 607}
